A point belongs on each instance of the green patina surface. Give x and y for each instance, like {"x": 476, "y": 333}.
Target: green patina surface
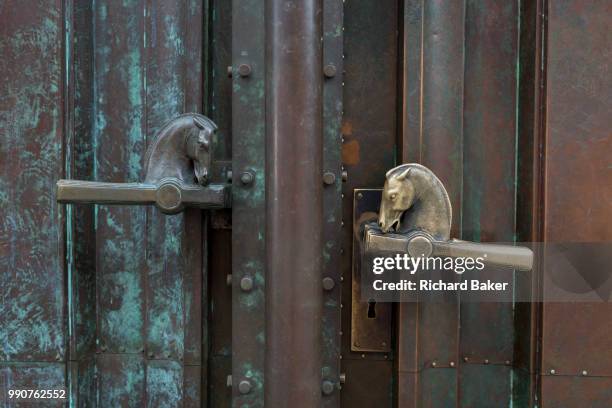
{"x": 32, "y": 273}
{"x": 126, "y": 77}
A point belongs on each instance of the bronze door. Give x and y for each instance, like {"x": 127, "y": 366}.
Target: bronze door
{"x": 258, "y": 132}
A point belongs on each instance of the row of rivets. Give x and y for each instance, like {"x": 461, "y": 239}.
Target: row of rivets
{"x": 244, "y": 70}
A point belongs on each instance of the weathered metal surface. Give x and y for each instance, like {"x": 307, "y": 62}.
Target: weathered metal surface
{"x": 333, "y": 16}
{"x": 80, "y": 228}
{"x": 488, "y": 198}
{"x": 529, "y": 199}
{"x": 370, "y": 323}
{"x": 485, "y": 385}
{"x": 574, "y": 391}
{"x": 220, "y": 325}
{"x": 294, "y": 203}
{"x": 577, "y": 152}
{"x": 32, "y": 283}
{"x": 248, "y": 202}
{"x": 369, "y": 384}
{"x": 147, "y": 306}
{"x": 32, "y": 375}
{"x": 219, "y": 109}
{"x": 120, "y": 380}
{"x": 432, "y": 134}
{"x": 368, "y": 150}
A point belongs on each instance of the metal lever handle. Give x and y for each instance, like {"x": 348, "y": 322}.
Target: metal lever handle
{"x": 421, "y": 244}
{"x": 520, "y": 258}
{"x": 180, "y": 155}
{"x": 170, "y": 195}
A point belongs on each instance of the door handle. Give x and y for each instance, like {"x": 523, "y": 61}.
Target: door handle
{"x": 415, "y": 218}
{"x": 422, "y": 244}
{"x": 177, "y": 176}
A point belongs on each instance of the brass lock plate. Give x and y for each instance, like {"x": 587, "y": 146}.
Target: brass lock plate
{"x": 370, "y": 321}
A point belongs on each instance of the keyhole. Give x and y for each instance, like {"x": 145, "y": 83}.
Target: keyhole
{"x": 371, "y": 309}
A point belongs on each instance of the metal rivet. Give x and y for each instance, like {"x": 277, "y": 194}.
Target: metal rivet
{"x": 507, "y": 362}
{"x": 363, "y": 356}
{"x": 228, "y": 279}
{"x": 244, "y": 70}
{"x": 327, "y": 387}
{"x": 329, "y": 70}
{"x": 244, "y": 387}
{"x": 486, "y": 361}
{"x": 433, "y": 364}
{"x": 359, "y": 196}
{"x": 329, "y": 178}
{"x": 344, "y": 175}
{"x": 328, "y": 283}
{"x": 452, "y": 364}
{"x": 585, "y": 372}
{"x": 552, "y": 371}
{"x": 229, "y": 71}
{"x": 228, "y": 380}
{"x": 466, "y": 359}
{"x": 342, "y": 378}
{"x": 246, "y": 283}
{"x": 247, "y": 177}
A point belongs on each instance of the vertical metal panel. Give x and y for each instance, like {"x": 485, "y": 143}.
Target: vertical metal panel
{"x": 219, "y": 109}
{"x": 82, "y": 272}
{"x": 432, "y": 134}
{"x": 32, "y": 313}
{"x": 220, "y": 322}
{"x": 530, "y": 155}
{"x": 578, "y": 149}
{"x": 488, "y": 201}
{"x": 149, "y": 266}
{"x": 333, "y": 28}
{"x": 219, "y": 96}
{"x": 248, "y": 201}
{"x": 368, "y": 151}
{"x": 294, "y": 203}
{"x": 120, "y": 138}
{"x": 441, "y": 150}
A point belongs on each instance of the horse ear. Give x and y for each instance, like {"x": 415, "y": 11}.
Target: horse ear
{"x": 403, "y": 174}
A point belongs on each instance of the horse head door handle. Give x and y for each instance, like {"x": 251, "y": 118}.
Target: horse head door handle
{"x": 177, "y": 166}
{"x": 415, "y": 217}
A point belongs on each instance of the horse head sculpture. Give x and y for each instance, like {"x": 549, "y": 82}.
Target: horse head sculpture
{"x": 413, "y": 198}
